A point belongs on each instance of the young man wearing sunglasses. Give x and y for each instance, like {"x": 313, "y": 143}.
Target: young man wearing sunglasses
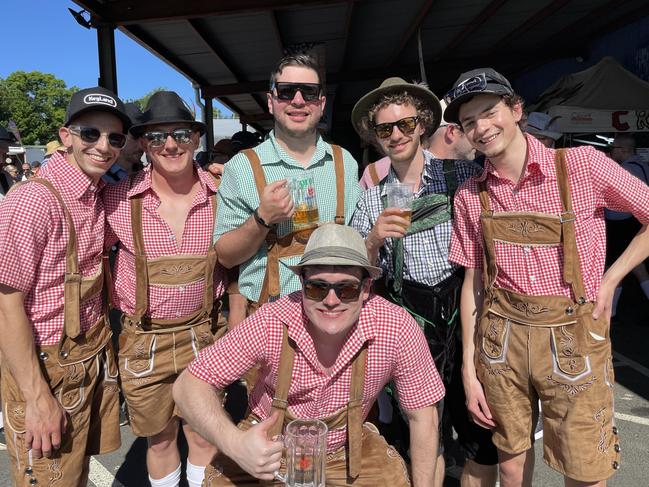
{"x": 539, "y": 306}
{"x": 255, "y": 205}
{"x": 326, "y": 351}
{"x": 167, "y": 282}
{"x": 414, "y": 254}
{"x": 59, "y": 377}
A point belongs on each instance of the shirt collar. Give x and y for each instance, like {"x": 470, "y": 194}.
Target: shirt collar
{"x": 73, "y": 180}
{"x": 427, "y": 174}
{"x": 278, "y": 154}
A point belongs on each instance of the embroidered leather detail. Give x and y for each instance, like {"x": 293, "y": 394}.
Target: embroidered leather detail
{"x": 525, "y": 228}
{"x": 499, "y": 371}
{"x": 600, "y": 418}
{"x": 140, "y": 351}
{"x": 74, "y": 373}
{"x": 177, "y": 270}
{"x": 567, "y": 343}
{"x": 18, "y": 411}
{"x": 531, "y": 309}
{"x": 572, "y": 389}
{"x": 493, "y": 329}
{"x": 56, "y": 473}
{"x": 205, "y": 338}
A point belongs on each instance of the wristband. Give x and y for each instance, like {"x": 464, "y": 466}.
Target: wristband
{"x": 260, "y": 220}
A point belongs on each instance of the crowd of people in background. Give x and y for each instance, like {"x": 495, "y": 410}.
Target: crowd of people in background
{"x": 267, "y": 261}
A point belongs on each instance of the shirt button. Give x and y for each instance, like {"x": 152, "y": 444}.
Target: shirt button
{"x": 178, "y": 314}
{"x": 532, "y": 278}
{"x": 181, "y": 289}
{"x": 172, "y": 237}
{"x": 526, "y": 250}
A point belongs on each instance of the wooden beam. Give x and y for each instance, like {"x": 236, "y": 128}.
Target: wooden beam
{"x": 414, "y": 26}
{"x": 276, "y": 31}
{"x": 125, "y": 12}
{"x": 348, "y": 30}
{"x": 256, "y": 118}
{"x": 474, "y": 25}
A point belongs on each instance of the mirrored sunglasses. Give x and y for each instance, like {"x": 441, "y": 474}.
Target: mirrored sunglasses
{"x": 90, "y": 135}
{"x": 318, "y": 290}
{"x": 406, "y": 125}
{"x": 158, "y": 138}
{"x": 474, "y": 84}
{"x": 287, "y": 91}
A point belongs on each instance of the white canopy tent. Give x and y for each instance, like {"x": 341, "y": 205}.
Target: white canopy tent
{"x": 603, "y": 98}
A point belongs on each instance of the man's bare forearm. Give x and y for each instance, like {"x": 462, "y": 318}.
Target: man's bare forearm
{"x": 469, "y": 312}
{"x": 200, "y": 405}
{"x": 636, "y": 252}
{"x": 239, "y": 245}
{"x": 17, "y": 345}
{"x": 423, "y": 424}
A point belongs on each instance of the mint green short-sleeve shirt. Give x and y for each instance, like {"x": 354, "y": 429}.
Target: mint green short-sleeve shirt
{"x": 238, "y": 198}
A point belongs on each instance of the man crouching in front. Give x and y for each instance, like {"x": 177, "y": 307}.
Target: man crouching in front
{"x": 326, "y": 352}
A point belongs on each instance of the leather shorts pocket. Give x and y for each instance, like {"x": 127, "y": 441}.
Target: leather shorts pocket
{"x": 137, "y": 353}
{"x": 494, "y": 338}
{"x": 14, "y": 416}
{"x": 569, "y": 351}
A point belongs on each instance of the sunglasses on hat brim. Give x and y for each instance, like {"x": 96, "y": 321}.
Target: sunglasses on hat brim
{"x": 91, "y": 135}
{"x": 474, "y": 84}
{"x": 287, "y": 91}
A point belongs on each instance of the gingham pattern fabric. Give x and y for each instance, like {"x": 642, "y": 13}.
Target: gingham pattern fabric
{"x": 238, "y": 198}
{"x": 165, "y": 302}
{"x": 596, "y": 182}
{"x": 396, "y": 349}
{"x": 33, "y": 239}
{"x": 425, "y": 255}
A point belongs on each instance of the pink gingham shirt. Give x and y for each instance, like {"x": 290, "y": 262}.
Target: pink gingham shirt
{"x": 396, "y": 349}
{"x": 33, "y": 239}
{"x": 596, "y": 182}
{"x": 165, "y": 302}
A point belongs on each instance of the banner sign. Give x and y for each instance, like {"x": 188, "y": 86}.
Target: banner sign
{"x": 584, "y": 120}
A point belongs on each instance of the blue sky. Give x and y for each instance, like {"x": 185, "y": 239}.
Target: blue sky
{"x": 41, "y": 35}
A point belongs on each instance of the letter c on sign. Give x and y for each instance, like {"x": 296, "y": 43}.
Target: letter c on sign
{"x": 615, "y": 121}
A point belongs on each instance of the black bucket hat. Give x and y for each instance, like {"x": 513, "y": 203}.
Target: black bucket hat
{"x": 396, "y": 85}
{"x": 470, "y": 84}
{"x": 96, "y": 99}
{"x": 165, "y": 107}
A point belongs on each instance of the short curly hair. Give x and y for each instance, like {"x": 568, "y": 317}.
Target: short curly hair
{"x": 425, "y": 114}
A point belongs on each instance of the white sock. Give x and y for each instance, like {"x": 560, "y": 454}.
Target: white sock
{"x": 195, "y": 475}
{"x": 645, "y": 288}
{"x": 171, "y": 480}
{"x": 616, "y": 297}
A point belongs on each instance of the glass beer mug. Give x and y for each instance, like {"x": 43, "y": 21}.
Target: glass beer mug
{"x": 305, "y": 444}
{"x": 306, "y": 207}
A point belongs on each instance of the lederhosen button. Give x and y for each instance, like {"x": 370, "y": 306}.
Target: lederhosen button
{"x": 28, "y": 471}
{"x": 617, "y": 448}
{"x": 64, "y": 354}
{"x": 570, "y": 310}
{"x": 43, "y": 355}
{"x": 616, "y": 465}
{"x": 615, "y": 430}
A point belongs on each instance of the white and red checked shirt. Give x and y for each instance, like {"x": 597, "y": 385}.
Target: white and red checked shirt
{"x": 34, "y": 236}
{"x": 596, "y": 182}
{"x": 165, "y": 302}
{"x": 396, "y": 350}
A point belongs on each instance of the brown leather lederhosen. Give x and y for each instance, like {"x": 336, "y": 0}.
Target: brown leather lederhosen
{"x": 155, "y": 351}
{"x": 366, "y": 460}
{"x": 293, "y": 243}
{"x": 82, "y": 376}
{"x": 546, "y": 347}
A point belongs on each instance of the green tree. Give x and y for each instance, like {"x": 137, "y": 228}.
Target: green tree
{"x": 36, "y": 102}
{"x": 142, "y": 101}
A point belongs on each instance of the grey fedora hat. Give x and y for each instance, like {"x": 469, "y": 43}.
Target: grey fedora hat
{"x": 336, "y": 245}
{"x": 395, "y": 85}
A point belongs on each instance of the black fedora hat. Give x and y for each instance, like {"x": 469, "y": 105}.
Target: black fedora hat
{"x": 165, "y": 107}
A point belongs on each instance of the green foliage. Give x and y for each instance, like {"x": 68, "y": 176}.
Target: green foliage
{"x": 36, "y": 102}
{"x": 142, "y": 101}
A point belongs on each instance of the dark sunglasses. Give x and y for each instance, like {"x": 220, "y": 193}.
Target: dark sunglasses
{"x": 90, "y": 135}
{"x": 406, "y": 126}
{"x": 158, "y": 138}
{"x": 287, "y": 91}
{"x": 318, "y": 290}
{"x": 474, "y": 84}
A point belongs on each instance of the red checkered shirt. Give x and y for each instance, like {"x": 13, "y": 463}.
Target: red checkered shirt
{"x": 33, "y": 238}
{"x": 396, "y": 350}
{"x": 165, "y": 302}
{"x": 596, "y": 182}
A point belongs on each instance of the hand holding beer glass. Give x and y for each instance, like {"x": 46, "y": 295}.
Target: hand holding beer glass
{"x": 400, "y": 196}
